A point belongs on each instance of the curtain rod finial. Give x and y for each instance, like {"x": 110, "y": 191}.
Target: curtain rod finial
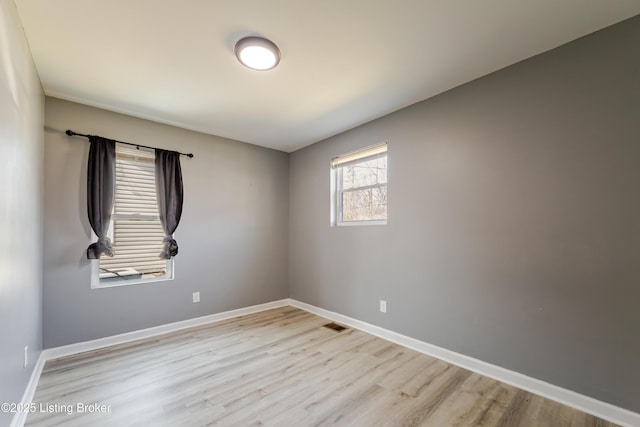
{"x": 69, "y": 132}
{"x": 190, "y": 155}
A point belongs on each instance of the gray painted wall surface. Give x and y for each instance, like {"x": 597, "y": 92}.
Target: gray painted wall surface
{"x": 233, "y": 235}
{"x": 514, "y": 220}
{"x": 21, "y": 136}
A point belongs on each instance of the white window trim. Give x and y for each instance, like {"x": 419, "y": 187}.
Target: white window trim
{"x": 361, "y": 223}
{"x": 337, "y": 165}
{"x": 95, "y": 274}
{"x": 96, "y": 284}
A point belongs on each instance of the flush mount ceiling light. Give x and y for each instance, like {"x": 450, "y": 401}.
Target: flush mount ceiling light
{"x": 257, "y": 53}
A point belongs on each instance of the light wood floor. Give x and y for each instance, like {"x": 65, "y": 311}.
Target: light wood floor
{"x": 282, "y": 368}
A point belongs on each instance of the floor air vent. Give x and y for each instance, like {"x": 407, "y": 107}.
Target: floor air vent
{"x": 335, "y": 327}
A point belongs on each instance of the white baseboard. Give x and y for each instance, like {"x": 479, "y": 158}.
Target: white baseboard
{"x": 20, "y": 417}
{"x": 71, "y": 349}
{"x": 81, "y": 347}
{"x": 578, "y": 401}
{"x": 570, "y": 398}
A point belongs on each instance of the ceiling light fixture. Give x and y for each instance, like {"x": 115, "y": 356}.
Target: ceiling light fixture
{"x": 257, "y": 53}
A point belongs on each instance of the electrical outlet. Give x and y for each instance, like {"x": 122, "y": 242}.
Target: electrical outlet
{"x": 383, "y": 306}
{"x": 26, "y": 356}
{"x": 196, "y": 297}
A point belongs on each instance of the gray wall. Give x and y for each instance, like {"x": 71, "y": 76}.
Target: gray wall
{"x": 21, "y": 121}
{"x": 514, "y": 220}
{"x": 233, "y": 235}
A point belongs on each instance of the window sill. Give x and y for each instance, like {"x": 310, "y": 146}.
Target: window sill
{"x": 360, "y": 223}
{"x": 116, "y": 283}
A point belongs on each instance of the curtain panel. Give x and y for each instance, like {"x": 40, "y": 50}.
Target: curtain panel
{"x": 100, "y": 193}
{"x": 170, "y": 197}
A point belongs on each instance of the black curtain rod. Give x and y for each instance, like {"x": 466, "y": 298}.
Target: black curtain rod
{"x": 72, "y": 133}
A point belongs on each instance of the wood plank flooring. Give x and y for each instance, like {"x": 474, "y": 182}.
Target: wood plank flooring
{"x": 281, "y": 368}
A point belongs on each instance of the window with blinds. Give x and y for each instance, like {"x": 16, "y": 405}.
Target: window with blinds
{"x": 360, "y": 187}
{"x": 135, "y": 230}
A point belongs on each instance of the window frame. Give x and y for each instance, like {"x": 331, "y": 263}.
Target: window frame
{"x": 96, "y": 281}
{"x": 337, "y": 168}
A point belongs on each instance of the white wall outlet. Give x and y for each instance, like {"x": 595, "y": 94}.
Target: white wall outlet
{"x": 196, "y": 297}
{"x": 26, "y": 356}
{"x": 383, "y": 306}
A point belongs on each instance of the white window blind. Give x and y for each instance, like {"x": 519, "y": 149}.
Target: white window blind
{"x": 369, "y": 153}
{"x": 135, "y": 229}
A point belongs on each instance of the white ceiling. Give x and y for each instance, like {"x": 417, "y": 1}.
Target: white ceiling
{"x": 344, "y": 62}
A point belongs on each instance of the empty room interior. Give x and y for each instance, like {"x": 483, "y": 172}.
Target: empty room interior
{"x": 294, "y": 213}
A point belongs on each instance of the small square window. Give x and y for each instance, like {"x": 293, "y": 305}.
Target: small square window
{"x": 360, "y": 187}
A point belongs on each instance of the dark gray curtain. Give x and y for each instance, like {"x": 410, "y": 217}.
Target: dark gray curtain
{"x": 100, "y": 188}
{"x": 169, "y": 192}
